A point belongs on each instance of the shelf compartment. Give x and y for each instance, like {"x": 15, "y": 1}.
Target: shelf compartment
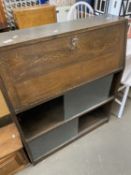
{"x": 46, "y": 143}
{"x": 92, "y": 120}
{"x": 86, "y": 97}
{"x": 41, "y": 119}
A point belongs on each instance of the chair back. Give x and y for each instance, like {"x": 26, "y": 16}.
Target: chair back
{"x": 2, "y": 14}
{"x": 80, "y": 10}
{"x": 34, "y": 16}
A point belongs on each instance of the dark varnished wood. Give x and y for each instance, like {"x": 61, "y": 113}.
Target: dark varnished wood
{"x": 34, "y": 73}
{"x": 40, "y": 64}
{"x": 45, "y": 32}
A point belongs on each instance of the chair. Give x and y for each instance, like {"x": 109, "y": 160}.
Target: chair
{"x": 125, "y": 81}
{"x": 34, "y": 16}
{"x": 80, "y": 10}
{"x": 2, "y": 14}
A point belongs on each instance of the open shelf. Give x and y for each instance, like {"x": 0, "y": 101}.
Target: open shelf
{"x": 42, "y": 118}
{"x": 109, "y": 99}
{"x": 59, "y": 121}
{"x": 92, "y": 120}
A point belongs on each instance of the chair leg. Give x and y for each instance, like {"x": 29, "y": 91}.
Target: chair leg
{"x": 123, "y": 103}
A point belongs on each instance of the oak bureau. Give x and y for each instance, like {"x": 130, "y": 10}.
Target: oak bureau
{"x": 60, "y": 80}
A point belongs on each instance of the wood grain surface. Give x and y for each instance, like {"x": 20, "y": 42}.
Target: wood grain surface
{"x": 40, "y": 64}
{"x": 13, "y": 163}
{"x": 34, "y": 16}
{"x": 3, "y": 21}
{"x": 4, "y": 111}
{"x": 34, "y": 73}
{"x": 9, "y": 140}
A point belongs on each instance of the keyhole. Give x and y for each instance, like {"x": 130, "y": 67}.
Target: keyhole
{"x": 75, "y": 41}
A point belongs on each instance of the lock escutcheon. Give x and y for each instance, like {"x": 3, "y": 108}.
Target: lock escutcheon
{"x": 74, "y": 42}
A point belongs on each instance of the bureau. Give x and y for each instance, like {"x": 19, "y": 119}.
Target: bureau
{"x": 59, "y": 80}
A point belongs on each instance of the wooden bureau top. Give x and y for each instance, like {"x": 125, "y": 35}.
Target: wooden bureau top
{"x": 42, "y": 63}
{"x": 21, "y": 36}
